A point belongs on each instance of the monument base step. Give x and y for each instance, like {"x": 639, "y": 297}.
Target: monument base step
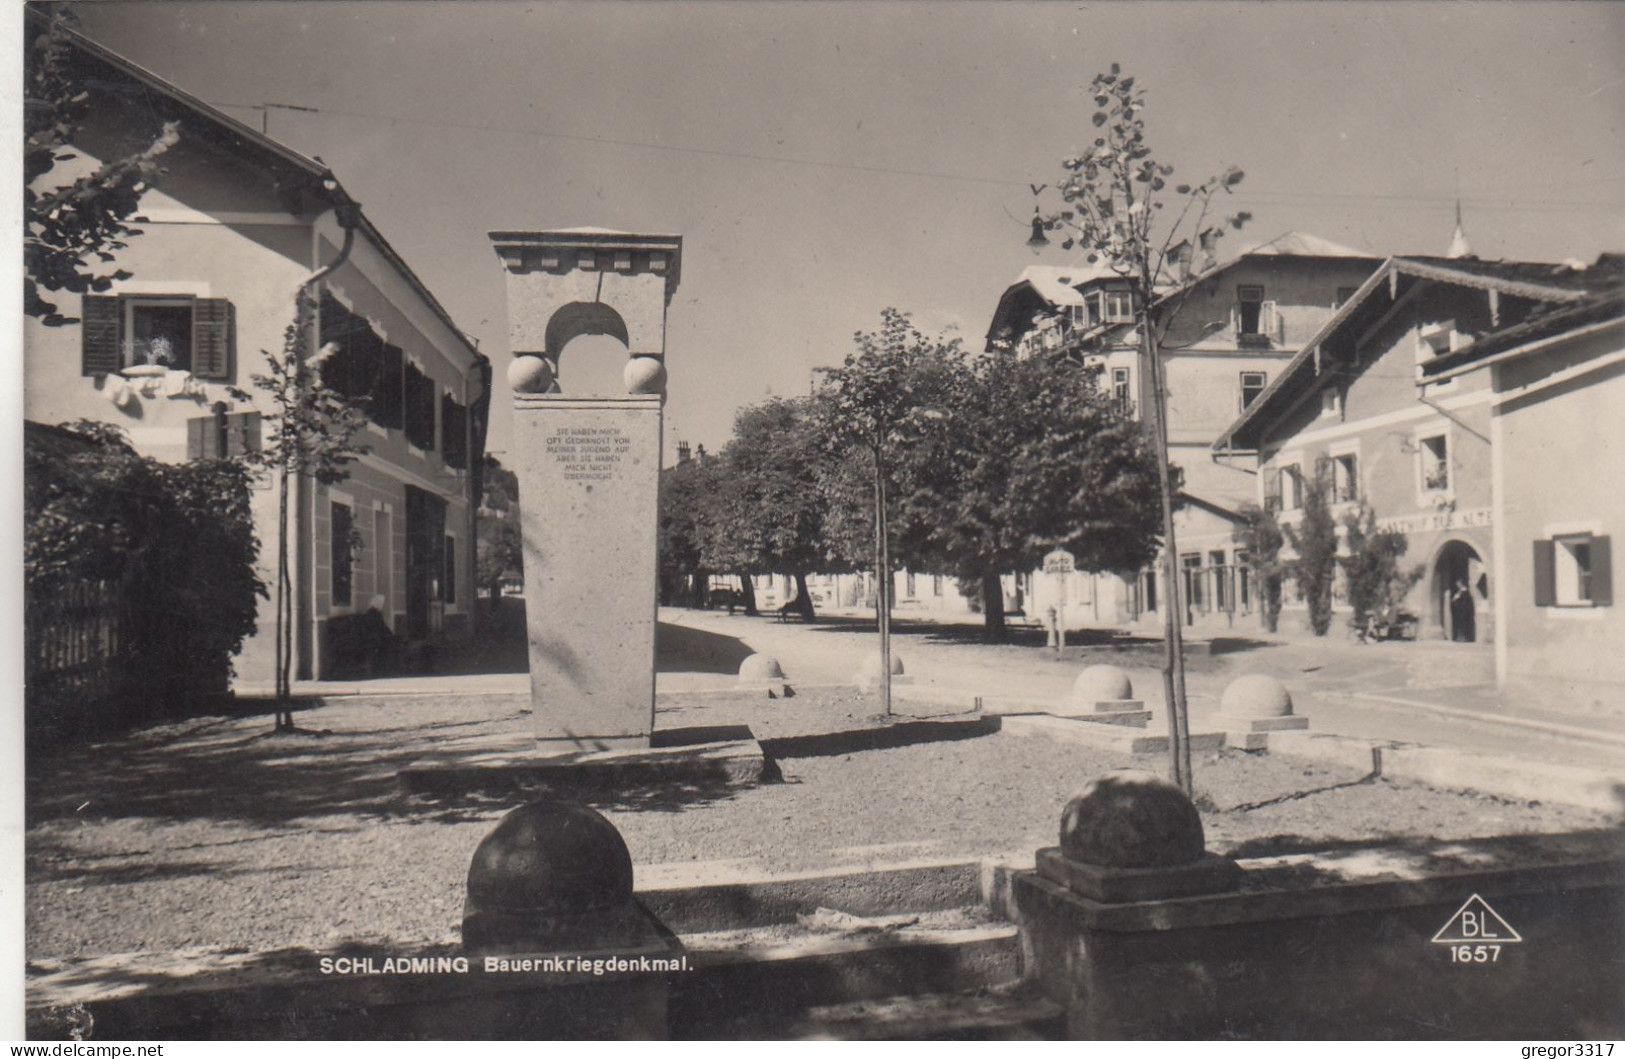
{"x": 727, "y": 755}
{"x": 1090, "y": 732}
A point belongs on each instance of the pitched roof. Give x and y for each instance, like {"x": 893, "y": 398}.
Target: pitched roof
{"x": 1302, "y": 244}
{"x": 314, "y": 176}
{"x": 1560, "y": 285}
{"x": 1601, "y": 306}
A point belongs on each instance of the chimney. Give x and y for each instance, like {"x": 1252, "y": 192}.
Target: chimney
{"x": 682, "y": 452}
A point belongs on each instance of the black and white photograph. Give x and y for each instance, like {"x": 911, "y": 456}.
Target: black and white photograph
{"x": 850, "y": 521}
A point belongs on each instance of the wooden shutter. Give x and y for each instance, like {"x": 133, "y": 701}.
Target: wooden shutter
{"x": 242, "y": 433}
{"x": 101, "y": 334}
{"x": 1545, "y": 574}
{"x": 199, "y": 438}
{"x": 386, "y": 389}
{"x": 1323, "y": 470}
{"x": 1602, "y": 573}
{"x": 211, "y": 338}
{"x": 1272, "y": 489}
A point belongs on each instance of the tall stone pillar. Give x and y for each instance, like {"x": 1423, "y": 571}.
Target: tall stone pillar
{"x": 589, "y": 477}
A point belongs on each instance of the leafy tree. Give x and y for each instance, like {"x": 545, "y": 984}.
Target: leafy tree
{"x": 1376, "y": 583}
{"x": 313, "y": 431}
{"x": 1028, "y": 457}
{"x": 688, "y": 495}
{"x": 176, "y": 539}
{"x": 1262, "y": 538}
{"x": 1314, "y": 538}
{"x": 86, "y": 217}
{"x": 877, "y": 404}
{"x": 500, "y": 546}
{"x": 1114, "y": 195}
{"x": 772, "y": 511}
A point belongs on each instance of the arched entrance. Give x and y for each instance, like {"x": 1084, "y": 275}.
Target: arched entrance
{"x": 1460, "y": 590}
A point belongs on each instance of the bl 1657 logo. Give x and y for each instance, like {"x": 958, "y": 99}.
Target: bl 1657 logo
{"x": 1476, "y": 933}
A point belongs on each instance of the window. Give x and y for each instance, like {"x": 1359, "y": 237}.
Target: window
{"x": 1243, "y": 581}
{"x": 1249, "y": 309}
{"x": 448, "y": 582}
{"x": 1574, "y": 570}
{"x": 222, "y": 435}
{"x": 1437, "y": 341}
{"x": 1119, "y": 306}
{"x": 908, "y": 591}
{"x": 342, "y": 541}
{"x": 420, "y": 408}
{"x": 454, "y": 431}
{"x": 183, "y": 333}
{"x": 1331, "y": 402}
{"x": 1291, "y": 488}
{"x": 1435, "y": 456}
{"x": 362, "y": 365}
{"x": 1252, "y": 384}
{"x": 936, "y": 584}
{"x": 1345, "y": 478}
{"x": 1120, "y": 390}
{"x": 1195, "y": 596}
{"x": 1221, "y": 580}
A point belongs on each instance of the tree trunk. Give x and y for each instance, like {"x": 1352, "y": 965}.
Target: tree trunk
{"x": 804, "y": 603}
{"x": 748, "y": 592}
{"x": 1173, "y": 671}
{"x": 993, "y": 627}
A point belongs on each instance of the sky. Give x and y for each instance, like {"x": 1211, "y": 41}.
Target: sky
{"x": 824, "y": 161}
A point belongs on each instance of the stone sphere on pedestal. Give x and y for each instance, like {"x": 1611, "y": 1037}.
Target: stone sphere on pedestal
{"x": 1102, "y": 684}
{"x": 1131, "y": 818}
{"x": 760, "y": 667}
{"x": 528, "y": 373}
{"x": 1255, "y": 696}
{"x": 644, "y": 375}
{"x": 871, "y": 665}
{"x": 550, "y": 871}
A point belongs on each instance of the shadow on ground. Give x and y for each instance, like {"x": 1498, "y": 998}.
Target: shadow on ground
{"x": 680, "y": 649}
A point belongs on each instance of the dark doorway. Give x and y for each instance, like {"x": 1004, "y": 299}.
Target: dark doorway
{"x": 1459, "y": 584}
{"x": 425, "y": 562}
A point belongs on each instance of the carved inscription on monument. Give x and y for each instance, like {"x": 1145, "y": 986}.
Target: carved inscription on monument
{"x": 588, "y": 454}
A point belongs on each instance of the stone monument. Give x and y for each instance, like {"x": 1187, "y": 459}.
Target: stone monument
{"x": 589, "y": 470}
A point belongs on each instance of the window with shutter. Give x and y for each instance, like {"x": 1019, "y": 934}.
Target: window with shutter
{"x": 101, "y": 340}
{"x": 449, "y": 581}
{"x": 454, "y": 432}
{"x": 387, "y": 384}
{"x": 1272, "y": 489}
{"x": 212, "y": 338}
{"x": 420, "y": 408}
{"x": 342, "y": 544}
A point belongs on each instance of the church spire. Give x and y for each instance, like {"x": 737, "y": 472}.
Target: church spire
{"x": 1458, "y": 240}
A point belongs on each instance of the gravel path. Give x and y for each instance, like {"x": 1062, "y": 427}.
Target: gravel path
{"x": 212, "y": 832}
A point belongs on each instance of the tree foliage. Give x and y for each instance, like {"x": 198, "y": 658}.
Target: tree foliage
{"x": 1314, "y": 538}
{"x": 1028, "y": 456}
{"x": 177, "y": 540}
{"x": 71, "y": 230}
{"x": 499, "y": 549}
{"x": 1262, "y": 537}
{"x": 1377, "y": 585}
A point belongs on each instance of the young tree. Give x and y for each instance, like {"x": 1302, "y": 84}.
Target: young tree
{"x": 312, "y": 434}
{"x": 86, "y": 217}
{"x": 1314, "y": 538}
{"x": 876, "y": 404}
{"x": 1026, "y": 459}
{"x": 1262, "y": 538}
{"x": 1114, "y": 195}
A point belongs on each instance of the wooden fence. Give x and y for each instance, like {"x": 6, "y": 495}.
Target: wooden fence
{"x": 75, "y": 639}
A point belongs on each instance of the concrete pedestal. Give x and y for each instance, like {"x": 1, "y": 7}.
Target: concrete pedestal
{"x": 592, "y": 465}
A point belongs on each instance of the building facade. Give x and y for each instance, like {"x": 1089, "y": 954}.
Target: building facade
{"x": 1357, "y": 412}
{"x": 1230, "y": 329}
{"x": 1556, "y": 385}
{"x": 238, "y": 225}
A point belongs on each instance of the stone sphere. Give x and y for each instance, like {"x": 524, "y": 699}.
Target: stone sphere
{"x": 528, "y": 373}
{"x": 871, "y": 665}
{"x": 1255, "y": 696}
{"x": 551, "y": 858}
{"x": 1102, "y": 683}
{"x": 1132, "y": 819}
{"x": 760, "y": 667}
{"x": 644, "y": 375}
